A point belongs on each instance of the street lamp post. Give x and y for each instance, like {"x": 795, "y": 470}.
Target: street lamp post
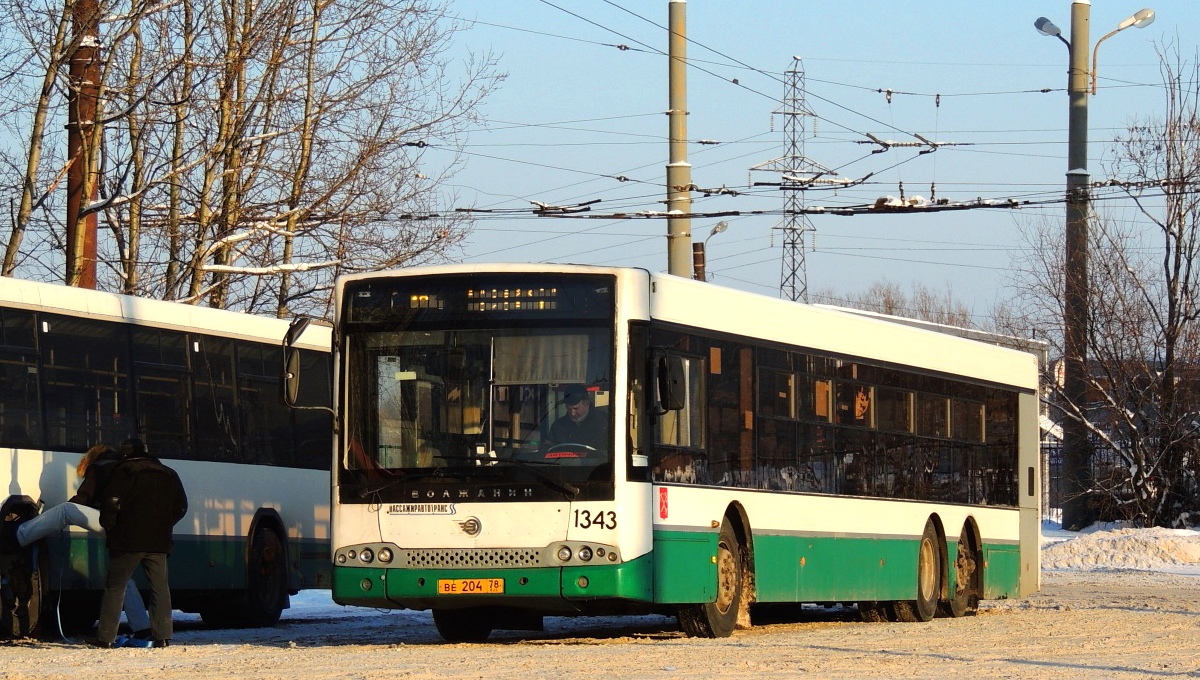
{"x": 1076, "y": 470}
{"x": 699, "y": 252}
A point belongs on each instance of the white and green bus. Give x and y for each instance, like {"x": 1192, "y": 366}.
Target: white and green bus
{"x": 753, "y": 451}
{"x": 202, "y": 388}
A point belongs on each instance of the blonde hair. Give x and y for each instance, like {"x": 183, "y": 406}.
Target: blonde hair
{"x": 89, "y": 456}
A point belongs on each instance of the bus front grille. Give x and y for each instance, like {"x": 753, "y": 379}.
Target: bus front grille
{"x": 473, "y": 558}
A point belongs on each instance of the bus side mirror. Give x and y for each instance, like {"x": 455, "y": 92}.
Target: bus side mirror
{"x": 291, "y": 375}
{"x": 291, "y": 360}
{"x": 672, "y": 390}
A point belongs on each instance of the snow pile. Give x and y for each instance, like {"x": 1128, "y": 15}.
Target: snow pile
{"x": 1155, "y": 549}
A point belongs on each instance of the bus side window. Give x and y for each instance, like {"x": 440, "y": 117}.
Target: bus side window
{"x": 20, "y": 413}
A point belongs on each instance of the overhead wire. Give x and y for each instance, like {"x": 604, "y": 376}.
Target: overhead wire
{"x": 1053, "y": 196}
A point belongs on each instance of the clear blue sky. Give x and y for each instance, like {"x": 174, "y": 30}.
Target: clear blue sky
{"x": 576, "y": 112}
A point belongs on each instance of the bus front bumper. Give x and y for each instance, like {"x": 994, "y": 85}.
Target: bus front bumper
{"x": 548, "y": 589}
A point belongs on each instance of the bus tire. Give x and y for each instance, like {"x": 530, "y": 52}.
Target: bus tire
{"x": 719, "y": 618}
{"x": 929, "y": 580}
{"x": 968, "y": 576}
{"x": 874, "y": 612}
{"x": 462, "y": 625}
{"x": 266, "y": 579}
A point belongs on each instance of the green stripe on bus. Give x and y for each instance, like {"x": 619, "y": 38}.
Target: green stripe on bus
{"x": 196, "y": 563}
{"x": 790, "y": 568}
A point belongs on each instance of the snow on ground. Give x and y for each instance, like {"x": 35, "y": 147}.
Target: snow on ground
{"x": 1102, "y": 547}
{"x": 1109, "y": 547}
{"x": 1114, "y": 603}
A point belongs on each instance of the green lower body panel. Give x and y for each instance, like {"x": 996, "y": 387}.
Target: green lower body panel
{"x": 1002, "y": 571}
{"x": 795, "y": 568}
{"x": 685, "y": 568}
{"x": 80, "y": 562}
{"x": 547, "y": 589}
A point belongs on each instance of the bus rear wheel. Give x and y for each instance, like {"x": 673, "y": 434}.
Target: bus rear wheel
{"x": 462, "y": 625}
{"x": 929, "y": 580}
{"x": 719, "y": 618}
{"x": 968, "y": 577}
{"x": 266, "y": 586}
{"x": 266, "y": 594}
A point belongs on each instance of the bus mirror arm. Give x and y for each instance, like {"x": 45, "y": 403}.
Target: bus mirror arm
{"x": 295, "y": 330}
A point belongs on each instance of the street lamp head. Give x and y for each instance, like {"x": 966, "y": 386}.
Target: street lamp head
{"x": 717, "y": 228}
{"x": 1046, "y": 27}
{"x": 1141, "y": 19}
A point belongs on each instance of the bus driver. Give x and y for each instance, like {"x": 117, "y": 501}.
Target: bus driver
{"x": 583, "y": 423}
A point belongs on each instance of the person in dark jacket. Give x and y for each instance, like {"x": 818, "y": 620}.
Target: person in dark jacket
{"x": 583, "y": 423}
{"x": 141, "y": 504}
{"x": 83, "y": 510}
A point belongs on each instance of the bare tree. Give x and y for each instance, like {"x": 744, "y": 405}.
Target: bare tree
{"x": 36, "y": 47}
{"x": 887, "y": 297}
{"x": 253, "y": 151}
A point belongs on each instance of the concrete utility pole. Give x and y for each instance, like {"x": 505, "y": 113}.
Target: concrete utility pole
{"x": 679, "y": 171}
{"x": 1076, "y": 447}
{"x": 83, "y": 180}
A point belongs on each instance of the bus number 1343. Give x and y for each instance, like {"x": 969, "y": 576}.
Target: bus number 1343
{"x": 586, "y": 519}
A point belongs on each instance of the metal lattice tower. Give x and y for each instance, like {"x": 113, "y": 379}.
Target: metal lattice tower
{"x": 798, "y": 171}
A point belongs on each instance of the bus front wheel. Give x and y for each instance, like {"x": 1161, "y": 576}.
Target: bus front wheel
{"x": 719, "y": 618}
{"x": 462, "y": 625}
{"x": 929, "y": 580}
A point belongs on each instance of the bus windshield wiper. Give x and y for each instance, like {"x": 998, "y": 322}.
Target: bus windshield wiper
{"x": 562, "y": 485}
{"x": 404, "y": 477}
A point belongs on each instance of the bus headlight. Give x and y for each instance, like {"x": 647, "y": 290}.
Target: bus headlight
{"x": 385, "y": 555}
{"x": 585, "y": 554}
{"x": 564, "y": 554}
{"x": 366, "y": 555}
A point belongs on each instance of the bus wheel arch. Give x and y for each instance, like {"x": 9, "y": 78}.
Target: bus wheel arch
{"x": 735, "y": 583}
{"x": 962, "y": 599}
{"x": 267, "y": 579}
{"x": 931, "y": 570}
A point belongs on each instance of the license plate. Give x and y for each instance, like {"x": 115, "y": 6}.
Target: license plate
{"x": 470, "y": 586}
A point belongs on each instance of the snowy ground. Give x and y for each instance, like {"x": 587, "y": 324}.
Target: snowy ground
{"x": 1114, "y": 603}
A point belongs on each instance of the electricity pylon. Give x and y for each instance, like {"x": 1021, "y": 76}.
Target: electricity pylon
{"x": 798, "y": 172}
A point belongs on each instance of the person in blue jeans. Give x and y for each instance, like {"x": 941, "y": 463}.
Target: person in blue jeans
{"x": 82, "y": 510}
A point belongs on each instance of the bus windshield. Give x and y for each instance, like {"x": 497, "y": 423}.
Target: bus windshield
{"x": 483, "y": 384}
{"x": 467, "y": 401}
